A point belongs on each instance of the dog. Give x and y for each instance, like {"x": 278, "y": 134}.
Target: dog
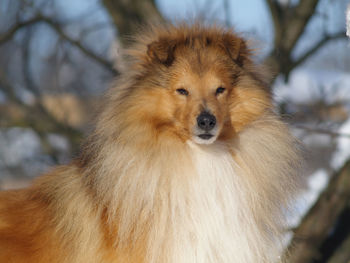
{"x": 188, "y": 162}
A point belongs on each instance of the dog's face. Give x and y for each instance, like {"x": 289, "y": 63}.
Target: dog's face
{"x": 200, "y": 89}
{"x": 200, "y": 94}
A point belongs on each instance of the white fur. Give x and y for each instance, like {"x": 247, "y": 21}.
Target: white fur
{"x": 224, "y": 228}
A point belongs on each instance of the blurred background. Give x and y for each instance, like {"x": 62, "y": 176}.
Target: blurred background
{"x": 57, "y": 57}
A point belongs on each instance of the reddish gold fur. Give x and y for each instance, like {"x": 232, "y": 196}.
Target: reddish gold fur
{"x": 70, "y": 215}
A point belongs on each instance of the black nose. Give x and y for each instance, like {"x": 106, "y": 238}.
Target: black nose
{"x": 206, "y": 121}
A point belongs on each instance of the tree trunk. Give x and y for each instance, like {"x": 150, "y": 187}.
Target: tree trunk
{"x": 129, "y": 15}
{"x": 318, "y": 223}
{"x": 289, "y": 24}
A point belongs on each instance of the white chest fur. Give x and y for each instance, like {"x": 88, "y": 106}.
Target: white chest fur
{"x": 197, "y": 205}
{"x": 218, "y": 224}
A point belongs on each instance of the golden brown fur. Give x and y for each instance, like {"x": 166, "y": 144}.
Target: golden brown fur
{"x": 147, "y": 187}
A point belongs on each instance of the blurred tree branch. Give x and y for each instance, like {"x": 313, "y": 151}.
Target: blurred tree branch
{"x": 26, "y": 64}
{"x": 129, "y": 15}
{"x": 57, "y": 27}
{"x": 276, "y": 15}
{"x": 289, "y": 25}
{"x": 6, "y": 36}
{"x": 318, "y": 223}
{"x": 316, "y": 47}
{"x": 35, "y": 117}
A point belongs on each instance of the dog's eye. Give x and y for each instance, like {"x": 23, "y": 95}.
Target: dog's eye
{"x": 182, "y": 92}
{"x": 219, "y": 90}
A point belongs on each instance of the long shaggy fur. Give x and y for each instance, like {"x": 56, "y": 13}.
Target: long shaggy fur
{"x": 143, "y": 190}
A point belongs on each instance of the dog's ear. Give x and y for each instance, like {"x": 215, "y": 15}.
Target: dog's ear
{"x": 162, "y": 51}
{"x": 236, "y": 48}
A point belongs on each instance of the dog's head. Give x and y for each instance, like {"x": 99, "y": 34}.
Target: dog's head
{"x": 200, "y": 84}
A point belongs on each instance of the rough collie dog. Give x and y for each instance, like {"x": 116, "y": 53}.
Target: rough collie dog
{"x": 188, "y": 163}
